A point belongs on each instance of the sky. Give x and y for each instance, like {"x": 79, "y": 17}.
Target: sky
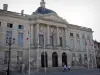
{"x": 80, "y": 12}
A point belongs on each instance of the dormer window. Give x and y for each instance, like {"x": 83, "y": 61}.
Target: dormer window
{"x": 71, "y": 34}
{"x": 20, "y": 27}
{"x": 9, "y": 25}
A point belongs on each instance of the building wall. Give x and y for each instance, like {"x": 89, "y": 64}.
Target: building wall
{"x": 41, "y": 26}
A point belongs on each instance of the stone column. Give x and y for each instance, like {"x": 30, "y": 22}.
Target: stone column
{"x": 58, "y": 36}
{"x": 36, "y": 33}
{"x": 83, "y": 58}
{"x": 48, "y": 35}
{"x": 66, "y": 38}
{"x": 31, "y": 34}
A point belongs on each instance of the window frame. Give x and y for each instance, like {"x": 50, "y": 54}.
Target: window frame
{"x": 20, "y": 39}
{"x": 9, "y": 25}
{"x": 61, "y": 41}
{"x": 20, "y": 26}
{"x": 71, "y": 34}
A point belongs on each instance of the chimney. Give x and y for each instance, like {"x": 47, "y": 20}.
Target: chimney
{"x": 5, "y": 7}
{"x": 22, "y": 12}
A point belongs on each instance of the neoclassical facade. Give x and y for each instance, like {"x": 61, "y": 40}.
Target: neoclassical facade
{"x": 53, "y": 41}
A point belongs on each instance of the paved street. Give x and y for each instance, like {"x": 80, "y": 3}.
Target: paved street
{"x": 77, "y": 72}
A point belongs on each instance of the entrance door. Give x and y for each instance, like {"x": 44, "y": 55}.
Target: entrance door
{"x": 54, "y": 59}
{"x": 64, "y": 59}
{"x": 44, "y": 60}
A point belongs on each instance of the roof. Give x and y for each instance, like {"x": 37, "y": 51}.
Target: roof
{"x": 42, "y": 10}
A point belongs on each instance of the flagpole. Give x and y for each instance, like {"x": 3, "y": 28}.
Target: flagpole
{"x": 44, "y": 52}
{"x": 29, "y": 48}
{"x": 29, "y": 56}
{"x": 37, "y": 52}
{"x": 92, "y": 54}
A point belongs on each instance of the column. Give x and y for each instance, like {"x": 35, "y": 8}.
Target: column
{"x": 48, "y": 35}
{"x": 31, "y": 34}
{"x": 66, "y": 38}
{"x": 58, "y": 36}
{"x": 83, "y": 59}
{"x": 37, "y": 33}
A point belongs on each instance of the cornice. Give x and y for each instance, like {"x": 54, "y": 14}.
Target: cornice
{"x": 72, "y": 26}
{"x": 14, "y": 15}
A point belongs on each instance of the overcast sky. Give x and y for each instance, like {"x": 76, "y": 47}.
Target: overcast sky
{"x": 81, "y": 12}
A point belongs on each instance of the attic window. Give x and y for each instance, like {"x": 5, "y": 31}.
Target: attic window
{"x": 0, "y": 23}
{"x": 9, "y": 25}
{"x": 71, "y": 34}
{"x": 20, "y": 27}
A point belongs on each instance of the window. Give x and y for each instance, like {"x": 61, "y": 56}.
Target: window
{"x": 78, "y": 44}
{"x": 20, "y": 38}
{"x": 51, "y": 40}
{"x": 41, "y": 40}
{"x": 6, "y": 57}
{"x": 20, "y": 27}
{"x": 0, "y": 23}
{"x": 80, "y": 59}
{"x": 9, "y": 34}
{"x": 71, "y": 34}
{"x": 83, "y": 36}
{"x": 85, "y": 56}
{"x": 9, "y": 25}
{"x": 84, "y": 43}
{"x": 19, "y": 57}
{"x": 60, "y": 38}
{"x": 88, "y": 37}
{"x": 77, "y": 35}
{"x": 72, "y": 43}
{"x": 73, "y": 54}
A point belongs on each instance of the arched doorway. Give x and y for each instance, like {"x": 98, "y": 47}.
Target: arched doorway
{"x": 64, "y": 59}
{"x": 44, "y": 59}
{"x": 54, "y": 59}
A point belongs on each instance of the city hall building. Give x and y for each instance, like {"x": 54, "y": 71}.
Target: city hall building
{"x": 51, "y": 40}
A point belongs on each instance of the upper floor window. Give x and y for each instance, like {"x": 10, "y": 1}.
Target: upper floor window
{"x": 0, "y": 23}
{"x": 20, "y": 38}
{"x": 73, "y": 54}
{"x": 41, "y": 40}
{"x": 20, "y": 27}
{"x": 88, "y": 37}
{"x": 9, "y": 34}
{"x": 72, "y": 43}
{"x": 60, "y": 38}
{"x": 71, "y": 34}
{"x": 85, "y": 56}
{"x": 77, "y": 35}
{"x": 83, "y": 36}
{"x": 9, "y": 25}
{"x": 51, "y": 41}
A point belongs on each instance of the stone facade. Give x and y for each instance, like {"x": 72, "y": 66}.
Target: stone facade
{"x": 97, "y": 51}
{"x": 49, "y": 33}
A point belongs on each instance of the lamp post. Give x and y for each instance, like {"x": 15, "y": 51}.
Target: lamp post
{"x": 9, "y": 41}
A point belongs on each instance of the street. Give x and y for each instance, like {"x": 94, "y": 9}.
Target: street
{"x": 77, "y": 72}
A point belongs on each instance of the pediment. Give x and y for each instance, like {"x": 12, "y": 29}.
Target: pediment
{"x": 54, "y": 17}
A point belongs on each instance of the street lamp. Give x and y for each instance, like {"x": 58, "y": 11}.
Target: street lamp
{"x": 9, "y": 41}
